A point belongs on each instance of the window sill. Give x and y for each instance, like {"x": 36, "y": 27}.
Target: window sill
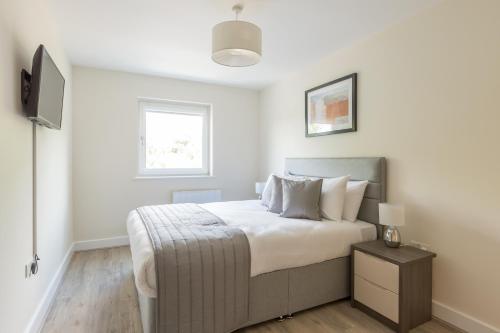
{"x": 156, "y": 177}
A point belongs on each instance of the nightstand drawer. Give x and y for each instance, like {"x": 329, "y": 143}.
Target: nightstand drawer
{"x": 381, "y": 300}
{"x": 378, "y": 271}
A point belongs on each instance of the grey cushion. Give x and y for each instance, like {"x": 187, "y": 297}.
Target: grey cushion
{"x": 301, "y": 199}
{"x": 276, "y": 202}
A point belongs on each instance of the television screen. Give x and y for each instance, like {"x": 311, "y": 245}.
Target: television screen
{"x": 45, "y": 101}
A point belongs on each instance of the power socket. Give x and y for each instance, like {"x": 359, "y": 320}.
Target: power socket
{"x": 420, "y": 245}
{"x": 31, "y": 268}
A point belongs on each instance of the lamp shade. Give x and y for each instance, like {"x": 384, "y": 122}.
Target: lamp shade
{"x": 236, "y": 43}
{"x": 391, "y": 214}
{"x": 259, "y": 187}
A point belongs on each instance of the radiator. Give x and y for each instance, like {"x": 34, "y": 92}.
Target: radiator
{"x": 199, "y": 196}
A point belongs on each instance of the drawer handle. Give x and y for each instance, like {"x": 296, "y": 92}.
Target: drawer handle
{"x": 374, "y": 284}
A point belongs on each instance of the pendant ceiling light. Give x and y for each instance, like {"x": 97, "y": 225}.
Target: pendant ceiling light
{"x": 236, "y": 43}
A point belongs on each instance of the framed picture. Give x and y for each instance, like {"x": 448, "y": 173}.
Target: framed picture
{"x": 331, "y": 107}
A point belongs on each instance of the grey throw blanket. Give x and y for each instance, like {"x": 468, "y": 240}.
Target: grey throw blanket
{"x": 202, "y": 269}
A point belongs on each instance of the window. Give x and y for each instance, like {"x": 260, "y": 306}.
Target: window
{"x": 174, "y": 138}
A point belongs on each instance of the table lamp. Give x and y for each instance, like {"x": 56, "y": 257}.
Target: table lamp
{"x": 391, "y": 216}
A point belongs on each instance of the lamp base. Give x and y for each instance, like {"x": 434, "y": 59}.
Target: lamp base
{"x": 392, "y": 237}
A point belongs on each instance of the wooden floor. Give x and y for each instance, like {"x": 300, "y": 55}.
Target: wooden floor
{"x": 98, "y": 295}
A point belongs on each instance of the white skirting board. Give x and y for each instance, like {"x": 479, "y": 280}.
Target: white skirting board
{"x": 439, "y": 310}
{"x": 101, "y": 243}
{"x": 35, "y": 325}
{"x": 460, "y": 320}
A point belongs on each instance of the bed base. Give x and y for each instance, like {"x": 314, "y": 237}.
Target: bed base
{"x": 281, "y": 293}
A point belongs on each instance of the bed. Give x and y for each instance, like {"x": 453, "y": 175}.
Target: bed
{"x": 294, "y": 264}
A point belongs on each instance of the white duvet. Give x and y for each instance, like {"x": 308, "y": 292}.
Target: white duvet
{"x": 275, "y": 242}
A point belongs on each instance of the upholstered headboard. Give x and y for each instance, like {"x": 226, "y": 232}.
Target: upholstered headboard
{"x": 372, "y": 169}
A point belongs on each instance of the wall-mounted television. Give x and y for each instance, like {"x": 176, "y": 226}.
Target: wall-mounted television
{"x": 43, "y": 90}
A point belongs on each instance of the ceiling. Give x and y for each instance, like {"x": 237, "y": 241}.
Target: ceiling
{"x": 173, "y": 38}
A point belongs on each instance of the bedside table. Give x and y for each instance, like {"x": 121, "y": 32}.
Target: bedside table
{"x": 393, "y": 285}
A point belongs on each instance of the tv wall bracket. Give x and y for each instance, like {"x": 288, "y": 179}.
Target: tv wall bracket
{"x": 25, "y": 86}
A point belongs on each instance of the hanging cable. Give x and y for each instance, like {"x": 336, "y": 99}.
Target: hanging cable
{"x": 237, "y": 10}
{"x": 34, "y": 263}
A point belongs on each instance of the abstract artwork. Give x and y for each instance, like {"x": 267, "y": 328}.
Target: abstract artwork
{"x": 331, "y": 107}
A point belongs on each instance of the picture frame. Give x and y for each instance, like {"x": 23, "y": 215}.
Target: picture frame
{"x": 331, "y": 108}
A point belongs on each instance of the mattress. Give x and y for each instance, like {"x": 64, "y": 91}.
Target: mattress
{"x": 275, "y": 242}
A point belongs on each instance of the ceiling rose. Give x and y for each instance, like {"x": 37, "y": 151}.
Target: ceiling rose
{"x": 236, "y": 43}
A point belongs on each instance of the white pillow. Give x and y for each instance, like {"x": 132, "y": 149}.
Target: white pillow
{"x": 332, "y": 197}
{"x": 353, "y": 197}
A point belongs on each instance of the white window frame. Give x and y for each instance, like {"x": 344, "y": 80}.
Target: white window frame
{"x": 175, "y": 107}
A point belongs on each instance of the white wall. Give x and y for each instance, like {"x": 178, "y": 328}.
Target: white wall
{"x": 23, "y": 26}
{"x": 105, "y": 146}
{"x": 428, "y": 101}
